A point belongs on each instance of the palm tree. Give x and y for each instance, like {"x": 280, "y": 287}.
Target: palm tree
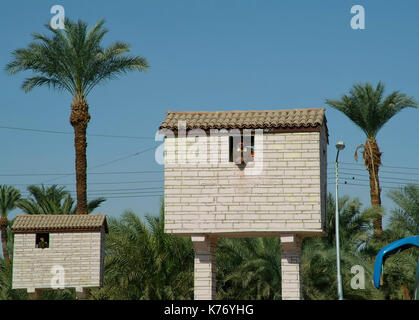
{"x": 354, "y": 224}
{"x": 400, "y": 270}
{"x": 249, "y": 268}
{"x": 52, "y": 200}
{"x": 74, "y": 60}
{"x": 144, "y": 262}
{"x": 319, "y": 254}
{"x": 405, "y": 218}
{"x": 370, "y": 111}
{"x": 8, "y": 198}
{"x": 6, "y": 291}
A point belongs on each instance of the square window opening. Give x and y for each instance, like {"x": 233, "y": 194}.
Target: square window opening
{"x": 42, "y": 240}
{"x": 241, "y": 148}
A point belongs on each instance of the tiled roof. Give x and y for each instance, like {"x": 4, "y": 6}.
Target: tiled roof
{"x": 59, "y": 222}
{"x": 279, "y": 119}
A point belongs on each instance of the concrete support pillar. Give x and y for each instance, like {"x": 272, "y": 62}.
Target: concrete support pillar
{"x": 34, "y": 294}
{"x": 81, "y": 293}
{"x": 205, "y": 267}
{"x": 291, "y": 267}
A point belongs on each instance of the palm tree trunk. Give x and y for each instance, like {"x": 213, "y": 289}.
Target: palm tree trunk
{"x": 406, "y": 292}
{"x": 79, "y": 119}
{"x": 3, "y": 228}
{"x": 372, "y": 157}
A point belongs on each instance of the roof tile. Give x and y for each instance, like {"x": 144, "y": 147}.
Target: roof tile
{"x": 55, "y": 222}
{"x": 295, "y": 118}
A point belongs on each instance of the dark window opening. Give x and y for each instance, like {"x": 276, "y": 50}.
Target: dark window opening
{"x": 241, "y": 148}
{"x": 42, "y": 240}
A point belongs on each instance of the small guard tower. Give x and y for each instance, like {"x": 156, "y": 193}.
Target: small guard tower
{"x": 58, "y": 251}
{"x": 245, "y": 174}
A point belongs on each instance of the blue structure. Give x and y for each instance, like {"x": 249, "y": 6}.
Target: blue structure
{"x": 394, "y": 248}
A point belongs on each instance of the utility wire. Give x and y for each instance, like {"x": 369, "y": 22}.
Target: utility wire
{"x": 380, "y": 171}
{"x": 66, "y": 132}
{"x": 147, "y": 196}
{"x": 385, "y": 177}
{"x": 89, "y": 183}
{"x": 383, "y": 165}
{"x": 67, "y": 174}
{"x": 108, "y": 162}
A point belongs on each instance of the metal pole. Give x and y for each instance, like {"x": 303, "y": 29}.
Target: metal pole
{"x": 339, "y": 278}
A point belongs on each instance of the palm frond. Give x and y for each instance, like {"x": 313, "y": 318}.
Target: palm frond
{"x": 73, "y": 59}
{"x": 367, "y": 107}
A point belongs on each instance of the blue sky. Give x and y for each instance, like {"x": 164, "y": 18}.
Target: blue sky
{"x": 210, "y": 55}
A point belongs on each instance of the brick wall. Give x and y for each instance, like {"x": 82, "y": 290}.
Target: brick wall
{"x": 218, "y": 197}
{"x": 80, "y": 254}
{"x": 291, "y": 267}
{"x": 204, "y": 268}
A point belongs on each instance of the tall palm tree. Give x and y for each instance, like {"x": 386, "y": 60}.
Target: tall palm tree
{"x": 8, "y": 198}
{"x": 52, "y": 200}
{"x": 367, "y": 107}
{"x": 74, "y": 60}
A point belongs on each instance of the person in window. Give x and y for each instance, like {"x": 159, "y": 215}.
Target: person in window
{"x": 42, "y": 243}
{"x": 248, "y": 153}
{"x": 238, "y": 152}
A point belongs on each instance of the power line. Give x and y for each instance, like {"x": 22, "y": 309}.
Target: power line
{"x": 106, "y": 195}
{"x": 110, "y": 162}
{"x": 380, "y": 171}
{"x": 383, "y": 165}
{"x": 68, "y": 174}
{"x": 127, "y": 190}
{"x": 389, "y": 178}
{"x": 366, "y": 185}
{"x": 66, "y": 132}
{"x": 349, "y": 175}
{"x": 89, "y": 183}
{"x": 147, "y": 196}
{"x": 122, "y": 196}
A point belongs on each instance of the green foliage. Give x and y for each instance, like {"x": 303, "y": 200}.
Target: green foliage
{"x": 405, "y": 218}
{"x": 249, "y": 268}
{"x": 52, "y": 200}
{"x": 6, "y": 291}
{"x": 354, "y": 225}
{"x": 8, "y": 197}
{"x": 400, "y": 270}
{"x": 319, "y": 271}
{"x": 73, "y": 59}
{"x": 143, "y": 262}
{"x": 367, "y": 107}
{"x": 400, "y": 275}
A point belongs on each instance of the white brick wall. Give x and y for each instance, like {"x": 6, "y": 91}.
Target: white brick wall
{"x": 204, "y": 268}
{"x": 79, "y": 253}
{"x": 220, "y": 198}
{"x": 291, "y": 267}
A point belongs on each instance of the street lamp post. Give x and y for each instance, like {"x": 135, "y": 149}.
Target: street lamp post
{"x": 339, "y": 146}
